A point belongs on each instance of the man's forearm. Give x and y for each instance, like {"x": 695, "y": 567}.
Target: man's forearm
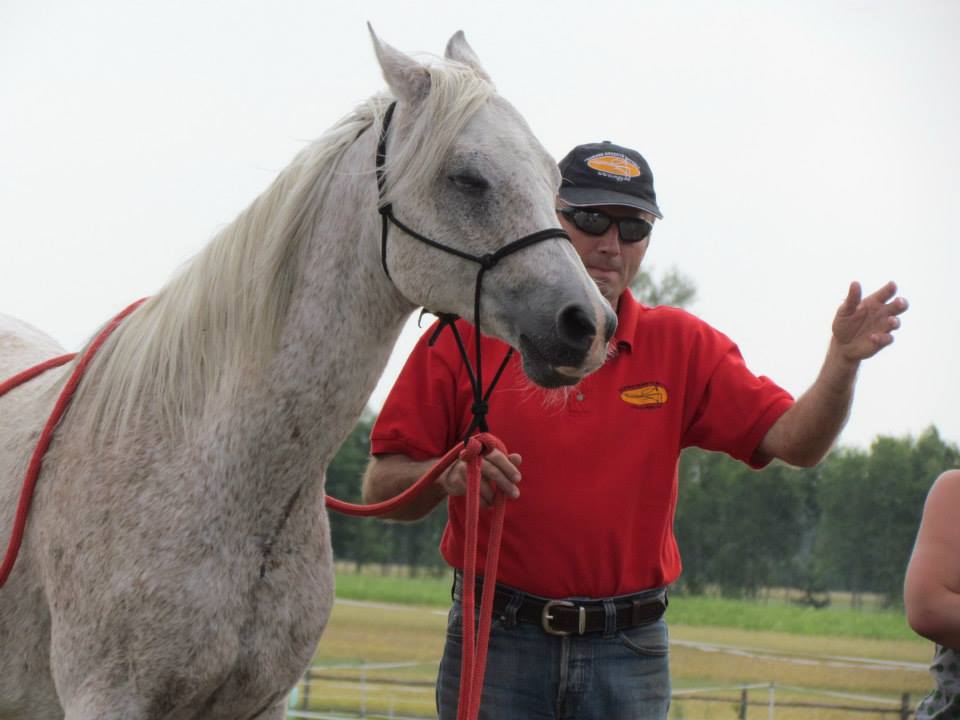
{"x": 805, "y": 433}
{"x": 389, "y": 475}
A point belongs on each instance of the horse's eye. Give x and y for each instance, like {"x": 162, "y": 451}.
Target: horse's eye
{"x": 469, "y": 181}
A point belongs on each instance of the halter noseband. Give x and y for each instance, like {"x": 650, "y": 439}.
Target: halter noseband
{"x": 486, "y": 262}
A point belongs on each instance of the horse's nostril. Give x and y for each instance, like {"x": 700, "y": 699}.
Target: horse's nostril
{"x": 575, "y": 327}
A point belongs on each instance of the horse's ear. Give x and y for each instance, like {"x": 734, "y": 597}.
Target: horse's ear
{"x": 459, "y": 50}
{"x": 406, "y": 78}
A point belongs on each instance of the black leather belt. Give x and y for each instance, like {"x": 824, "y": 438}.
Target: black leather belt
{"x": 569, "y": 617}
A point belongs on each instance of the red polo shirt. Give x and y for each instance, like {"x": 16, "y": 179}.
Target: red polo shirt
{"x": 599, "y": 487}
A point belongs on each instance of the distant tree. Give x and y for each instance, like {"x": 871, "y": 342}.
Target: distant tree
{"x": 695, "y": 521}
{"x": 371, "y": 540}
{"x": 355, "y": 539}
{"x": 848, "y": 524}
{"x": 673, "y": 288}
{"x": 736, "y": 527}
{"x": 844, "y": 553}
{"x": 870, "y": 506}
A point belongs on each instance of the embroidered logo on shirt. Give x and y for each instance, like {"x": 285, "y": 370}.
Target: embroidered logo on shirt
{"x": 648, "y": 396}
{"x": 614, "y": 165}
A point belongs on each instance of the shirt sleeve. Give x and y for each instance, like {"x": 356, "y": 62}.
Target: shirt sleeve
{"x": 421, "y": 416}
{"x": 736, "y": 408}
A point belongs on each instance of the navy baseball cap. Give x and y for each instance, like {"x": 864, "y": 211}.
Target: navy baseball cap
{"x": 607, "y": 174}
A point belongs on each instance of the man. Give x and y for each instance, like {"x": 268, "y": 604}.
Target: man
{"x": 591, "y": 522}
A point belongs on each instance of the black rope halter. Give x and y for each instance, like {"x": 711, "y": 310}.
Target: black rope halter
{"x": 486, "y": 262}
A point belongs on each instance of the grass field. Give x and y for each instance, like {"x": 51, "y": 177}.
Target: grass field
{"x": 771, "y": 615}
{"x": 394, "y": 650}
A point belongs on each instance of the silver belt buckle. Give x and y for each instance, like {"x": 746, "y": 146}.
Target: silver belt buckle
{"x": 546, "y": 618}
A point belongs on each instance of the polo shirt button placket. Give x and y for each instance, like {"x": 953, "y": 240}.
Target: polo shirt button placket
{"x": 577, "y": 402}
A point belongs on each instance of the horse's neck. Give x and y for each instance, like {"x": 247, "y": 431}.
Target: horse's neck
{"x": 255, "y": 430}
{"x": 343, "y": 320}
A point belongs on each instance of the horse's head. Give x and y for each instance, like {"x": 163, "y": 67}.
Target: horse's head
{"x": 464, "y": 170}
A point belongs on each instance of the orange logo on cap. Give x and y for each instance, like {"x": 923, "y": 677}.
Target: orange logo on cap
{"x": 614, "y": 164}
{"x": 649, "y": 395}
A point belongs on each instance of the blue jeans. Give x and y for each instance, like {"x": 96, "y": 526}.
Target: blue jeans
{"x": 535, "y": 676}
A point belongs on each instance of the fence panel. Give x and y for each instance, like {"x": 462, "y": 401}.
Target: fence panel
{"x": 366, "y": 691}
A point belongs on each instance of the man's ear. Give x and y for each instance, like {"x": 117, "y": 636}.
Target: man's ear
{"x": 407, "y": 79}
{"x": 459, "y": 50}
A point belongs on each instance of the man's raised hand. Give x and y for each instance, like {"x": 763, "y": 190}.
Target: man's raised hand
{"x": 864, "y": 326}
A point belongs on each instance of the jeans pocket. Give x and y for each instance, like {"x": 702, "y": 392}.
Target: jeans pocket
{"x": 455, "y": 622}
{"x": 647, "y": 640}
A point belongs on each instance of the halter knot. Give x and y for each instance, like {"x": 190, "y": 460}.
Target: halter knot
{"x": 481, "y": 444}
{"x": 488, "y": 260}
{"x": 480, "y": 408}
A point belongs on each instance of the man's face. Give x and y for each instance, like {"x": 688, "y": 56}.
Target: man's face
{"x": 611, "y": 262}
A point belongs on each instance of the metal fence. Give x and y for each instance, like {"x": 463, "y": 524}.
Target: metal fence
{"x": 765, "y": 696}
{"x": 366, "y": 691}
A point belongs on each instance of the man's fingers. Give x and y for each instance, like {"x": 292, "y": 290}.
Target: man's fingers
{"x": 898, "y": 306}
{"x": 454, "y": 480}
{"x": 884, "y": 294}
{"x": 501, "y": 470}
{"x": 850, "y": 303}
{"x": 497, "y": 470}
{"x": 506, "y": 465}
{"x": 486, "y": 494}
{"x": 507, "y": 483}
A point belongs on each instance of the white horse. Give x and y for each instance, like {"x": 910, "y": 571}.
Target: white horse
{"x": 177, "y": 560}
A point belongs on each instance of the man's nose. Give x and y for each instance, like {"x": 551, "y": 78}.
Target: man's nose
{"x": 609, "y": 242}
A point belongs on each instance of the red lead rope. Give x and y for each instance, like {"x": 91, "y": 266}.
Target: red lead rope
{"x": 473, "y": 662}
{"x": 26, "y": 493}
{"x": 63, "y": 402}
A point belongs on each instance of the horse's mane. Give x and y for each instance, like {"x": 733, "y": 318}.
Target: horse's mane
{"x": 224, "y": 311}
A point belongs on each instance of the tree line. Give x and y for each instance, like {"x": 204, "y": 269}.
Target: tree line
{"x": 847, "y": 524}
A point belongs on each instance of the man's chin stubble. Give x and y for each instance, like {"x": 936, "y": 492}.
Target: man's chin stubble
{"x": 604, "y": 289}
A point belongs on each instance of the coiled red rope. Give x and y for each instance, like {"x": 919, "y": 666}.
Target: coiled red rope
{"x": 473, "y": 660}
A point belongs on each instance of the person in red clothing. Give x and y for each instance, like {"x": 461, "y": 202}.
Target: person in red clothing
{"x": 588, "y": 549}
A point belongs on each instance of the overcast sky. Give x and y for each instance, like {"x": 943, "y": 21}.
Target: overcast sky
{"x": 796, "y": 146}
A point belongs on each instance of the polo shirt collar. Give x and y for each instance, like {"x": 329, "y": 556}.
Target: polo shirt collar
{"x": 628, "y": 312}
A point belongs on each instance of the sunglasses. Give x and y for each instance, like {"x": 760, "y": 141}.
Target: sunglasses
{"x": 594, "y": 222}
